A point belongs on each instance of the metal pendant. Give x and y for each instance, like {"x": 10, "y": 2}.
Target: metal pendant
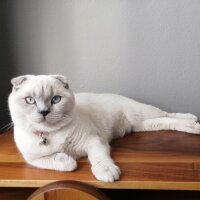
{"x": 44, "y": 140}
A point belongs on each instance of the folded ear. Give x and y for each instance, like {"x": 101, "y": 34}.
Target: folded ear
{"x": 62, "y": 79}
{"x": 18, "y": 81}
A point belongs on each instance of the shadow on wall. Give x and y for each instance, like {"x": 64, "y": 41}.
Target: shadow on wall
{"x": 7, "y": 64}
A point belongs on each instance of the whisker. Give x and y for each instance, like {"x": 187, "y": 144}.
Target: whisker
{"x": 7, "y": 126}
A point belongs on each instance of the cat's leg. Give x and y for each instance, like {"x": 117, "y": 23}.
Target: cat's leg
{"x": 135, "y": 111}
{"x": 186, "y": 116}
{"x": 145, "y": 117}
{"x": 103, "y": 166}
{"x": 166, "y": 123}
{"x": 57, "y": 161}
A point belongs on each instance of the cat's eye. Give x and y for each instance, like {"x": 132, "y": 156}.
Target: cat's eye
{"x": 55, "y": 99}
{"x": 30, "y": 100}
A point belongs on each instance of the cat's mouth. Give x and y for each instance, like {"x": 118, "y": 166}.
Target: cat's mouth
{"x": 47, "y": 121}
{"x": 41, "y": 122}
{"x": 50, "y": 122}
{"x": 44, "y": 121}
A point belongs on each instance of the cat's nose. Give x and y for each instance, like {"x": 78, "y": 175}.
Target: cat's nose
{"x": 44, "y": 112}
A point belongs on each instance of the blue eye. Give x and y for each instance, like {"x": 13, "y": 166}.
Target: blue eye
{"x": 55, "y": 99}
{"x": 30, "y": 100}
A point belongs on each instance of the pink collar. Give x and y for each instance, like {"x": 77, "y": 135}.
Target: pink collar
{"x": 40, "y": 133}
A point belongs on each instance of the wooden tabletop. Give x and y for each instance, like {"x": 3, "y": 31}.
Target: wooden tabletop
{"x": 151, "y": 160}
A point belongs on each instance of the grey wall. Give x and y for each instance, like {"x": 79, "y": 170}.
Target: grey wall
{"x": 7, "y": 65}
{"x": 145, "y": 49}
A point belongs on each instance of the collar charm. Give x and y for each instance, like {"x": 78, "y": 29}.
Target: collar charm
{"x": 43, "y": 138}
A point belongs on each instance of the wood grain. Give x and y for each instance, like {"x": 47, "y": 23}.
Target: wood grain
{"x": 72, "y": 190}
{"x": 153, "y": 160}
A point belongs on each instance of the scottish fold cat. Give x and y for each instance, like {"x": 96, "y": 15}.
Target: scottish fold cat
{"x": 53, "y": 127}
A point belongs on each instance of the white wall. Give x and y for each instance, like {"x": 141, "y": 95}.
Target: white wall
{"x": 145, "y": 49}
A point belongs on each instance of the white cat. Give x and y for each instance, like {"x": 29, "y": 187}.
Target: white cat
{"x": 53, "y": 127}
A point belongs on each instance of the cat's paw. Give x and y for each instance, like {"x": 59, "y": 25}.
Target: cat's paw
{"x": 191, "y": 126}
{"x": 63, "y": 162}
{"x": 106, "y": 171}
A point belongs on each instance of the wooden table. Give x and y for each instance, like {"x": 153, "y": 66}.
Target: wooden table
{"x": 151, "y": 160}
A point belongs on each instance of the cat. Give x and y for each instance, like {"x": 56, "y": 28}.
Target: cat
{"x": 53, "y": 126}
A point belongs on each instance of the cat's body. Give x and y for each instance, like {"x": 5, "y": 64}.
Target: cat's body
{"x": 55, "y": 127}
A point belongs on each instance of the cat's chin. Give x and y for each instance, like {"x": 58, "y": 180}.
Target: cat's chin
{"x": 44, "y": 128}
{"x": 47, "y": 127}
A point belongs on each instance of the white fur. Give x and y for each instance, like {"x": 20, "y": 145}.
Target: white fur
{"x": 81, "y": 124}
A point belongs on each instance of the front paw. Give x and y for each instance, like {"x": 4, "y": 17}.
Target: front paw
{"x": 63, "y": 162}
{"x": 106, "y": 171}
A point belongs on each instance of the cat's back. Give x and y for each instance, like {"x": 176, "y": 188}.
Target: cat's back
{"x": 97, "y": 98}
{"x": 102, "y": 101}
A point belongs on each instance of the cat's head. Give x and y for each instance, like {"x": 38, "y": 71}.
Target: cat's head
{"x": 42, "y": 102}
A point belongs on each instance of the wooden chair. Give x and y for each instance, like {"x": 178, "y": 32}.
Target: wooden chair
{"x": 67, "y": 190}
